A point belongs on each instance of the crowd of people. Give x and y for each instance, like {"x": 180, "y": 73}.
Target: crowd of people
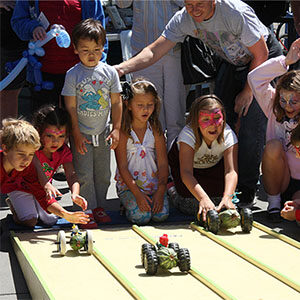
{"x": 210, "y": 158}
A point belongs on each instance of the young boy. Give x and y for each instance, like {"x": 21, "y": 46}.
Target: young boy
{"x": 91, "y": 90}
{"x": 21, "y": 172}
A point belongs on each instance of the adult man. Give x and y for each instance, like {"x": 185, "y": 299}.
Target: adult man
{"x": 232, "y": 29}
{"x": 149, "y": 21}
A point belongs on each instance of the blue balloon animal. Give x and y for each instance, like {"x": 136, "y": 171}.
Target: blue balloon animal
{"x": 29, "y": 58}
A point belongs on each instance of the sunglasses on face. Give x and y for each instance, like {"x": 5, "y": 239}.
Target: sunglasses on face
{"x": 291, "y": 102}
{"x": 207, "y": 119}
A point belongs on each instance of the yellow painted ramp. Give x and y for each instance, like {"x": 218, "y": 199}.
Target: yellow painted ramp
{"x": 235, "y": 275}
{"x": 123, "y": 247}
{"x": 74, "y": 276}
{"x": 82, "y": 276}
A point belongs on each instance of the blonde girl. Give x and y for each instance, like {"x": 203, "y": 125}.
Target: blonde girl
{"x": 141, "y": 155}
{"x": 203, "y": 159}
{"x": 280, "y": 163}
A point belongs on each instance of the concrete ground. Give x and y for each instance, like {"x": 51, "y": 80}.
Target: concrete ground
{"x": 12, "y": 282}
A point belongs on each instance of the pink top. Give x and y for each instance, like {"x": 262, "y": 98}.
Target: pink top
{"x": 61, "y": 156}
{"x": 259, "y": 80}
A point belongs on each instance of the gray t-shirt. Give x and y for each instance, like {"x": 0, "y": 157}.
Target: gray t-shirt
{"x": 92, "y": 87}
{"x": 233, "y": 27}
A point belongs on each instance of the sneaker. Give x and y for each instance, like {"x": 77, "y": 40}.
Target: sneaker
{"x": 91, "y": 224}
{"x": 100, "y": 215}
{"x": 246, "y": 197}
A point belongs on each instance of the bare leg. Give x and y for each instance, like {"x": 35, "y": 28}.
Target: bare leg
{"x": 9, "y": 103}
{"x": 276, "y": 174}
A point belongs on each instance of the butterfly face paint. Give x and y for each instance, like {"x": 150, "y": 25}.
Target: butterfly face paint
{"x": 56, "y": 132}
{"x": 208, "y": 119}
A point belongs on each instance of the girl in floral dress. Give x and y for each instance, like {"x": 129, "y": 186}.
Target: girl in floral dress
{"x": 141, "y": 156}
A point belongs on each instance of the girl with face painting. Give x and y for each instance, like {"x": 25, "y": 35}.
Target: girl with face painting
{"x": 203, "y": 160}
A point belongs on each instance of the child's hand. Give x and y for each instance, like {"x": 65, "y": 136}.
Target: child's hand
{"x": 39, "y": 33}
{"x": 158, "y": 202}
{"x": 142, "y": 202}
{"x": 80, "y": 142}
{"x": 226, "y": 202}
{"x": 288, "y": 212}
{"x": 51, "y": 191}
{"x": 114, "y": 136}
{"x": 293, "y": 203}
{"x": 294, "y": 53}
{"x": 80, "y": 201}
{"x": 205, "y": 205}
{"x": 77, "y": 217}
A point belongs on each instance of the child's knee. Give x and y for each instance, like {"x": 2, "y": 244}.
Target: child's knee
{"x": 28, "y": 222}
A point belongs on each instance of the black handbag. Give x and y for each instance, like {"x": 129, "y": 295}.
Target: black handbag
{"x": 198, "y": 61}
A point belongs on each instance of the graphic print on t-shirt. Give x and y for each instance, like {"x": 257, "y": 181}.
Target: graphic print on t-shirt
{"x": 226, "y": 45}
{"x": 93, "y": 97}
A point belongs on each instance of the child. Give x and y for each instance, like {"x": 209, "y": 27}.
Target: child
{"x": 280, "y": 165}
{"x": 31, "y": 19}
{"x": 141, "y": 156}
{"x": 291, "y": 209}
{"x": 203, "y": 161}
{"x": 295, "y": 140}
{"x": 53, "y": 125}
{"x": 91, "y": 90}
{"x": 19, "y": 178}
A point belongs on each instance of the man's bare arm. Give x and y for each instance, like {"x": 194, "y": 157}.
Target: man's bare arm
{"x": 147, "y": 57}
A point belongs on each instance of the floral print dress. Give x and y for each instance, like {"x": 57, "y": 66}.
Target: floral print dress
{"x": 142, "y": 163}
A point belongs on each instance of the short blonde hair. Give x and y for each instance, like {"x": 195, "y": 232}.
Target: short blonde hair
{"x": 15, "y": 132}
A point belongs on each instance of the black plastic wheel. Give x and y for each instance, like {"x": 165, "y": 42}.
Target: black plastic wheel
{"x": 184, "y": 259}
{"x": 144, "y": 248}
{"x": 150, "y": 262}
{"x": 174, "y": 246}
{"x": 246, "y": 219}
{"x": 212, "y": 221}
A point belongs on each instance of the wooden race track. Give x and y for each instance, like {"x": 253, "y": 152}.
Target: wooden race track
{"x": 216, "y": 271}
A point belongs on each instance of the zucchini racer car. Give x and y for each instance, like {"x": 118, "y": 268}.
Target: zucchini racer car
{"x": 77, "y": 241}
{"x": 165, "y": 255}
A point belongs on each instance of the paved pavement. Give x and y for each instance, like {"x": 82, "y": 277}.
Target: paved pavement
{"x": 12, "y": 283}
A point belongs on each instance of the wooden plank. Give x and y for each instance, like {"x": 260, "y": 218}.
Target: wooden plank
{"x": 73, "y": 276}
{"x": 123, "y": 247}
{"x": 232, "y": 273}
